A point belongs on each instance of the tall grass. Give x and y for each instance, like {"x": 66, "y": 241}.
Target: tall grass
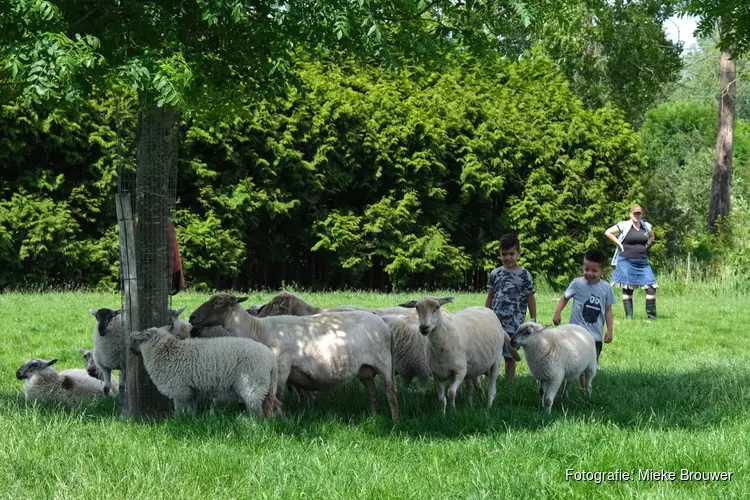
{"x": 671, "y": 394}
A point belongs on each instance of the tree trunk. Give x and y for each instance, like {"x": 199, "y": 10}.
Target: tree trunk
{"x": 154, "y": 199}
{"x": 721, "y": 187}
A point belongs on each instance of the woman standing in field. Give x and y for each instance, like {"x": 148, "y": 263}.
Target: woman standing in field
{"x": 633, "y": 237}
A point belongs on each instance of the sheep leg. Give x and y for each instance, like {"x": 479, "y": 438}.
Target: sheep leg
{"x": 283, "y": 374}
{"x": 405, "y": 382}
{"x": 107, "y": 380}
{"x": 186, "y": 404}
{"x": 389, "y": 383}
{"x": 494, "y": 370}
{"x": 549, "y": 394}
{"x": 458, "y": 377}
{"x": 470, "y": 390}
{"x": 372, "y": 393}
{"x": 422, "y": 381}
{"x": 542, "y": 391}
{"x": 440, "y": 389}
{"x": 392, "y": 395}
{"x": 566, "y": 390}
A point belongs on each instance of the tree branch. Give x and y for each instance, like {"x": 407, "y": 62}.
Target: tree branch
{"x": 83, "y": 19}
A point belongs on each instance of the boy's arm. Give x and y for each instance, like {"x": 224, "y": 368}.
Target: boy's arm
{"x": 531, "y": 299}
{"x": 488, "y": 300}
{"x": 608, "y": 319}
{"x": 558, "y": 311}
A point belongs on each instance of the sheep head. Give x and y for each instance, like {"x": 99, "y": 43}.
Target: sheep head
{"x": 279, "y": 305}
{"x": 255, "y": 310}
{"x": 33, "y": 366}
{"x": 428, "y": 309}
{"x": 215, "y": 310}
{"x": 138, "y": 338}
{"x": 104, "y": 318}
{"x": 91, "y": 368}
{"x": 525, "y": 332}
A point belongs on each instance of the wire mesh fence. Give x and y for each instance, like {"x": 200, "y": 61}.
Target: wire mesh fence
{"x": 145, "y": 202}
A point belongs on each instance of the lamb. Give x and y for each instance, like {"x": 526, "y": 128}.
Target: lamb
{"x": 557, "y": 355}
{"x": 108, "y": 343}
{"x": 91, "y": 369}
{"x": 315, "y": 353}
{"x": 44, "y": 383}
{"x": 224, "y": 368}
{"x": 409, "y": 357}
{"x": 462, "y": 345}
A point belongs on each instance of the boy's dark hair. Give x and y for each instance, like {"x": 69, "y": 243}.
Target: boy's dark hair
{"x": 596, "y": 256}
{"x": 510, "y": 241}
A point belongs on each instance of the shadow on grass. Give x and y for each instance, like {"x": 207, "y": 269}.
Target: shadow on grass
{"x": 704, "y": 397}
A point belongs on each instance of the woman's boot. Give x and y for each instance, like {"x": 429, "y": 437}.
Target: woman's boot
{"x": 651, "y": 308}
{"x": 628, "y": 304}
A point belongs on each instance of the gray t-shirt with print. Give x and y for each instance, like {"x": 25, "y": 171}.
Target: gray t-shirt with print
{"x": 510, "y": 296}
{"x": 590, "y": 304}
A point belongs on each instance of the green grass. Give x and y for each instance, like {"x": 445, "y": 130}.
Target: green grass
{"x": 670, "y": 394}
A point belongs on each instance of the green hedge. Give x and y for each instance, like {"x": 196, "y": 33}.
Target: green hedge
{"x": 363, "y": 178}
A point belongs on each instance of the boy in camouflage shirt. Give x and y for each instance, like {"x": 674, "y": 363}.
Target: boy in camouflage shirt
{"x": 510, "y": 292}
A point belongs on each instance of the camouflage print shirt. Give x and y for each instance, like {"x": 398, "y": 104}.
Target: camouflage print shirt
{"x": 511, "y": 290}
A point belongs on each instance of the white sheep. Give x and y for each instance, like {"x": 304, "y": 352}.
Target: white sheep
{"x": 409, "y": 351}
{"x": 91, "y": 369}
{"x": 44, "y": 383}
{"x": 225, "y": 368}
{"x": 315, "y": 353}
{"x": 109, "y": 341}
{"x": 463, "y": 345}
{"x": 557, "y": 355}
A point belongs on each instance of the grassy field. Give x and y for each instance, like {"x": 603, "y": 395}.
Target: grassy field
{"x": 671, "y": 394}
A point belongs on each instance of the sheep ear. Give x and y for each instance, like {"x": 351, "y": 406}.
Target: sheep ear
{"x": 412, "y": 303}
{"x": 92, "y": 312}
{"x": 82, "y": 351}
{"x": 445, "y": 300}
{"x": 117, "y": 312}
{"x": 50, "y": 362}
{"x": 239, "y": 300}
{"x": 514, "y": 353}
{"x": 179, "y": 311}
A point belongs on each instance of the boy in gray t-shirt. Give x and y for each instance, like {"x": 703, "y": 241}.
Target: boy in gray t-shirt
{"x": 593, "y": 300}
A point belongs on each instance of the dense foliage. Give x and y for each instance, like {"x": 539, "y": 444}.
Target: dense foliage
{"x": 363, "y": 178}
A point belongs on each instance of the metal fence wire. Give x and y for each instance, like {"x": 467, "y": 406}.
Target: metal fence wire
{"x": 147, "y": 173}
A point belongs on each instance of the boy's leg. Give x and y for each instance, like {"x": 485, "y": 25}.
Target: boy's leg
{"x": 510, "y": 369}
{"x": 627, "y": 302}
{"x": 510, "y": 364}
{"x": 598, "y": 351}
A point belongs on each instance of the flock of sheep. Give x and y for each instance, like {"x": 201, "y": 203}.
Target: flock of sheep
{"x": 229, "y": 354}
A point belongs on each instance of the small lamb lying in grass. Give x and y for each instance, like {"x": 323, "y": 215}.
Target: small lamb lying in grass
{"x": 42, "y": 383}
